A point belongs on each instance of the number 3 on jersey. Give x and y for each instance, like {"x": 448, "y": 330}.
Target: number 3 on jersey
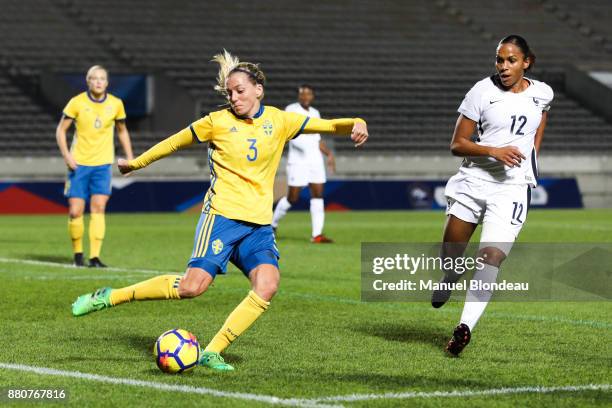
{"x": 252, "y": 156}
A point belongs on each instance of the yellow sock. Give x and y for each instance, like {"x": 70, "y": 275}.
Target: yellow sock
{"x": 75, "y": 229}
{"x": 97, "y": 229}
{"x": 159, "y": 287}
{"x": 243, "y": 316}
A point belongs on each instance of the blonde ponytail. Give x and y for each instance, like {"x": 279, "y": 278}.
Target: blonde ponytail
{"x": 228, "y": 64}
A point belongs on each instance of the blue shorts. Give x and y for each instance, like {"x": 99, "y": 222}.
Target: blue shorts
{"x": 219, "y": 240}
{"x": 86, "y": 181}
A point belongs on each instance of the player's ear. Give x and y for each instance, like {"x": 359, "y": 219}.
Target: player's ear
{"x": 259, "y": 91}
{"x": 526, "y": 63}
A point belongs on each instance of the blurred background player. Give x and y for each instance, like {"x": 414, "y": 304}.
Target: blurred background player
{"x": 305, "y": 167}
{"x": 95, "y": 114}
{"x": 493, "y": 185}
{"x": 245, "y": 145}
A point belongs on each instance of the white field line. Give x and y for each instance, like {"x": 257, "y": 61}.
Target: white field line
{"x": 187, "y": 389}
{"x": 84, "y": 276}
{"x": 464, "y": 394}
{"x": 70, "y": 266}
{"x": 298, "y": 402}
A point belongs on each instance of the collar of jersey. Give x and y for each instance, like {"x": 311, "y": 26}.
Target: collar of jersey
{"x": 257, "y": 115}
{"x": 95, "y": 100}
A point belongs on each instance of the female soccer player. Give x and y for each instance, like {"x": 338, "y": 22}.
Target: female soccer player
{"x": 245, "y": 144}
{"x": 493, "y": 185}
{"x": 95, "y": 114}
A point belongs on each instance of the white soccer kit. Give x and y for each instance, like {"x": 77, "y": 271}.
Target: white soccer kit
{"x": 485, "y": 190}
{"x": 305, "y": 164}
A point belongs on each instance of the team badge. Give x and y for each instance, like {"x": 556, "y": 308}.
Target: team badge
{"x": 217, "y": 246}
{"x": 267, "y": 127}
{"x": 98, "y": 123}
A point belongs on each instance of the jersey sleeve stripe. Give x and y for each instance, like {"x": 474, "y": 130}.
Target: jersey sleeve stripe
{"x": 301, "y": 128}
{"x": 67, "y": 116}
{"x": 534, "y": 164}
{"x": 194, "y": 134}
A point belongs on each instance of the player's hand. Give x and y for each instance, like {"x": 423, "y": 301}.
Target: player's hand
{"x": 70, "y": 162}
{"x": 359, "y": 134}
{"x": 124, "y": 167}
{"x": 331, "y": 163}
{"x": 511, "y": 156}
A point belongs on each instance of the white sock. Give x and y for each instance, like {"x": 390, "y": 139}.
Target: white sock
{"x": 317, "y": 215}
{"x": 281, "y": 209}
{"x": 476, "y": 300}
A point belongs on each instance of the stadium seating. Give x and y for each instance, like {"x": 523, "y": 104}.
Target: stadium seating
{"x": 402, "y": 65}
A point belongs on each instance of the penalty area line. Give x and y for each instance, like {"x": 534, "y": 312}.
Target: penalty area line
{"x": 159, "y": 386}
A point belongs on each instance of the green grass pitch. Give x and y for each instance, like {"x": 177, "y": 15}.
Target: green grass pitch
{"x": 317, "y": 340}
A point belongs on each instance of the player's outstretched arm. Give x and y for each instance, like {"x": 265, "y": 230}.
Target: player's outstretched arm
{"x": 356, "y": 127}
{"x": 164, "y": 148}
{"x": 462, "y": 145}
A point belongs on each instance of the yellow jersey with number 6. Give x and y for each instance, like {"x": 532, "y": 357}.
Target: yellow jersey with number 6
{"x": 93, "y": 141}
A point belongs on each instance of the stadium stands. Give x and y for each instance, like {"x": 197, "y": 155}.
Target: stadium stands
{"x": 402, "y": 65}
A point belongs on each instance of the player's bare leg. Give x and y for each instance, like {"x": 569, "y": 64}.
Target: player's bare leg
{"x": 264, "y": 279}
{"x": 457, "y": 234}
{"x": 193, "y": 283}
{"x": 97, "y": 229}
{"x": 476, "y": 300}
{"x": 317, "y": 214}
{"x": 76, "y": 226}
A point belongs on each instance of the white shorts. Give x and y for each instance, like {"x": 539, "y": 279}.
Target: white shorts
{"x": 302, "y": 173}
{"x": 500, "y": 208}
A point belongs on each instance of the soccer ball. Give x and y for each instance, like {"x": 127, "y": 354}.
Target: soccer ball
{"x": 176, "y": 351}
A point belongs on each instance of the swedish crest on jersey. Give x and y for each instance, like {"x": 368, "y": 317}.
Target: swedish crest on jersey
{"x": 268, "y": 128}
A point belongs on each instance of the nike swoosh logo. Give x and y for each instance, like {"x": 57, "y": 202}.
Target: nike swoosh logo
{"x": 492, "y": 102}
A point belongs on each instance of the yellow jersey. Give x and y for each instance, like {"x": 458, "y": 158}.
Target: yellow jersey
{"x": 93, "y": 141}
{"x": 243, "y": 156}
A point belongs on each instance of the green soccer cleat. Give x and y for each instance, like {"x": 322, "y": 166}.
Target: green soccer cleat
{"x": 91, "y": 302}
{"x": 215, "y": 361}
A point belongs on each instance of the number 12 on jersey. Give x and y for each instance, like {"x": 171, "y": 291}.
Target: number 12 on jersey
{"x": 521, "y": 119}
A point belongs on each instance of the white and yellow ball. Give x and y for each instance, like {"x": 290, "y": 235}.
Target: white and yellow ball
{"x": 176, "y": 351}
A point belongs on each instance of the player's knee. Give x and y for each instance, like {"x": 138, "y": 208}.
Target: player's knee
{"x": 75, "y": 212}
{"x": 293, "y": 200}
{"x": 492, "y": 256}
{"x": 98, "y": 208}
{"x": 190, "y": 288}
{"x": 267, "y": 287}
{"x": 267, "y": 291}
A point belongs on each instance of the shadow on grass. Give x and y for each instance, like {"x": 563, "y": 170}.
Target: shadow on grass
{"x": 405, "y": 333}
{"x": 48, "y": 258}
{"x": 145, "y": 344}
